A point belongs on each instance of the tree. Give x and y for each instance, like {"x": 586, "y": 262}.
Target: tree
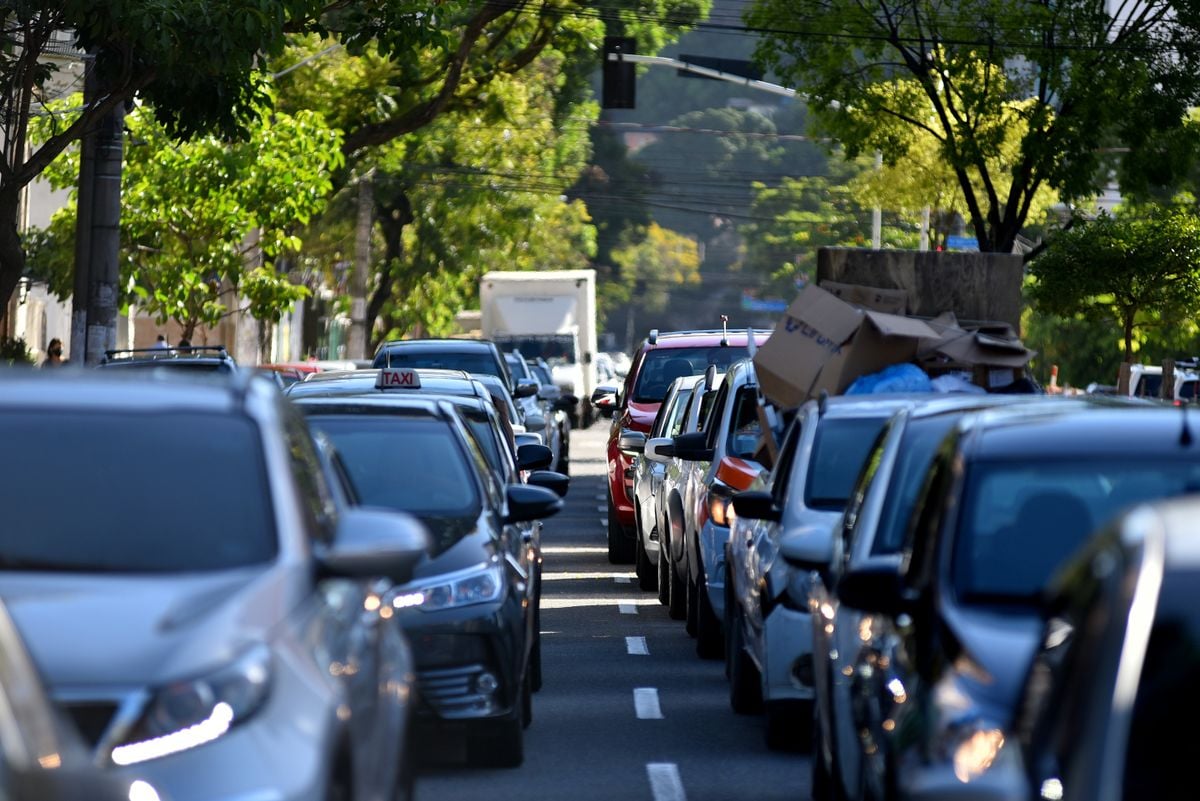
{"x": 193, "y": 61}
{"x": 1065, "y": 80}
{"x": 650, "y": 264}
{"x": 199, "y": 214}
{"x": 1141, "y": 271}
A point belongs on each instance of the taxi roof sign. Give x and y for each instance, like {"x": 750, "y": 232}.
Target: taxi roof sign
{"x": 398, "y": 378}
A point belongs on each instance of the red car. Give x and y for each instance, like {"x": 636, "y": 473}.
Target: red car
{"x": 660, "y": 360}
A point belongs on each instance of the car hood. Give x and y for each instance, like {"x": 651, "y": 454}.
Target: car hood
{"x": 640, "y": 416}
{"x": 139, "y": 630}
{"x": 999, "y": 647}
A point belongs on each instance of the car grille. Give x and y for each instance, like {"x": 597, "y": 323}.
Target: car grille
{"x": 92, "y": 718}
{"x": 452, "y": 692}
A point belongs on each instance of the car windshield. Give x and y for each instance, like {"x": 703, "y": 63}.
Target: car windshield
{"x": 661, "y": 366}
{"x": 190, "y": 494}
{"x": 914, "y": 455}
{"x": 502, "y": 399}
{"x": 744, "y": 429}
{"x": 1019, "y": 521}
{"x": 841, "y": 447}
{"x": 410, "y": 464}
{"x": 479, "y": 361}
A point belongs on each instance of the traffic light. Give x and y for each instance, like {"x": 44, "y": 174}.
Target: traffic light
{"x": 619, "y": 88}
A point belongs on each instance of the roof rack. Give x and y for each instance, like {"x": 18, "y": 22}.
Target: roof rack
{"x": 711, "y": 331}
{"x": 219, "y": 350}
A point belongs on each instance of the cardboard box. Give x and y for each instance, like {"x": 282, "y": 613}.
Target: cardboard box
{"x": 992, "y": 352}
{"x": 890, "y": 301}
{"x": 824, "y": 343}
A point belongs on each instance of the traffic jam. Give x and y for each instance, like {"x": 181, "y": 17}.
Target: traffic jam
{"x": 831, "y": 563}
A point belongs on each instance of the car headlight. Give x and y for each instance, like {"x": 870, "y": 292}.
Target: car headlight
{"x": 187, "y": 714}
{"x": 473, "y": 586}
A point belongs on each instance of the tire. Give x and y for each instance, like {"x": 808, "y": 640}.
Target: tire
{"x": 745, "y": 682}
{"x": 647, "y": 578}
{"x": 710, "y": 641}
{"x": 676, "y": 593}
{"x": 620, "y": 548}
{"x": 788, "y": 725}
{"x": 727, "y": 624}
{"x": 664, "y": 567}
{"x": 527, "y": 700}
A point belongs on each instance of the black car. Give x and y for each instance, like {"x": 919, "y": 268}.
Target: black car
{"x": 471, "y": 609}
{"x": 953, "y": 624}
{"x": 468, "y": 355}
{"x": 196, "y": 359}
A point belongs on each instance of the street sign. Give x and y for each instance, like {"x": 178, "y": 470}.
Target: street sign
{"x": 962, "y": 243}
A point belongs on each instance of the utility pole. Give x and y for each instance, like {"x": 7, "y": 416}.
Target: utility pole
{"x": 98, "y": 232}
{"x": 356, "y": 347}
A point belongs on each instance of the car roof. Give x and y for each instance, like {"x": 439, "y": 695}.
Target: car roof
{"x": 1082, "y": 429}
{"x": 118, "y": 390}
{"x": 838, "y": 406}
{"x": 362, "y": 382}
{"x": 439, "y": 345}
{"x": 704, "y": 339}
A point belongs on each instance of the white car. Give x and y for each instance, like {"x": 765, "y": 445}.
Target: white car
{"x": 200, "y": 604}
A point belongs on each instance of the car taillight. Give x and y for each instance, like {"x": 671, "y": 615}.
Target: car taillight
{"x": 720, "y": 510}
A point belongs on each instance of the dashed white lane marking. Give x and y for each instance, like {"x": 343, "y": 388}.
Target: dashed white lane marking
{"x": 573, "y": 550}
{"x": 622, "y": 579}
{"x": 627, "y": 609}
{"x": 645, "y": 703}
{"x": 601, "y": 508}
{"x": 636, "y": 646}
{"x": 600, "y": 496}
{"x": 665, "y": 783}
{"x": 604, "y": 521}
{"x": 577, "y": 575}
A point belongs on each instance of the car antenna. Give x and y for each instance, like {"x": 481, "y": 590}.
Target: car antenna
{"x": 724, "y": 330}
{"x": 1185, "y": 436}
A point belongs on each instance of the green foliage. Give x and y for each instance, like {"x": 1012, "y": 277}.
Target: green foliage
{"x": 1061, "y": 80}
{"x": 14, "y": 352}
{"x": 197, "y": 216}
{"x": 651, "y": 262}
{"x": 1141, "y": 271}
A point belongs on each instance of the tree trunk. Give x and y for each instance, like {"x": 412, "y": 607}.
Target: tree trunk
{"x": 394, "y": 212}
{"x": 356, "y": 347}
{"x": 1127, "y": 324}
{"x": 12, "y": 254}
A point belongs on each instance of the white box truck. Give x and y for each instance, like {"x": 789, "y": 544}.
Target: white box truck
{"x": 549, "y": 314}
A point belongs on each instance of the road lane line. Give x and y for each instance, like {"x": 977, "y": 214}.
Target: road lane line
{"x": 601, "y": 508}
{"x": 623, "y": 579}
{"x": 665, "y": 783}
{"x": 627, "y": 609}
{"x": 636, "y": 646}
{"x": 645, "y": 703}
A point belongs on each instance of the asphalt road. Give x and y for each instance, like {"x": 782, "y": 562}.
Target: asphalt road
{"x": 627, "y": 709}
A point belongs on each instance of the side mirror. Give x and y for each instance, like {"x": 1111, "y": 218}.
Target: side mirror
{"x": 632, "y": 441}
{"x": 757, "y": 505}
{"x": 660, "y": 449}
{"x": 547, "y": 479}
{"x": 371, "y": 543}
{"x": 606, "y": 398}
{"x": 546, "y": 392}
{"x": 535, "y": 420}
{"x": 875, "y": 586}
{"x": 693, "y": 447}
{"x": 808, "y": 547}
{"x": 534, "y": 457}
{"x": 526, "y": 388}
{"x": 566, "y": 403}
{"x": 530, "y": 503}
{"x": 523, "y": 438}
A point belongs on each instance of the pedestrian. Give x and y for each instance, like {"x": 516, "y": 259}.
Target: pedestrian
{"x": 54, "y": 354}
{"x": 184, "y": 343}
{"x": 160, "y": 343}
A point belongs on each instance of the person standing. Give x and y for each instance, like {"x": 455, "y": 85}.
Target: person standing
{"x": 54, "y": 353}
{"x": 160, "y": 343}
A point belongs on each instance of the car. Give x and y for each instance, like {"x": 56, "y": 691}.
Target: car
{"x": 471, "y": 607}
{"x": 951, "y": 623}
{"x": 560, "y": 404}
{"x": 536, "y": 415}
{"x": 871, "y": 529}
{"x": 197, "y": 627}
{"x": 195, "y": 359}
{"x": 770, "y": 657}
{"x": 468, "y": 355}
{"x": 660, "y": 360}
{"x": 648, "y": 478}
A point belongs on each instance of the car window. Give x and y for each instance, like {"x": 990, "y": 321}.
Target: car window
{"x": 782, "y": 472}
{"x": 744, "y": 428}
{"x": 917, "y": 449}
{"x": 661, "y": 366}
{"x": 479, "y": 426}
{"x": 477, "y": 362}
{"x": 309, "y": 476}
{"x": 838, "y": 453}
{"x": 713, "y": 416}
{"x": 707, "y": 402}
{"x": 862, "y": 487}
{"x": 414, "y": 465}
{"x": 191, "y": 494}
{"x": 1019, "y": 521}
{"x": 674, "y": 425}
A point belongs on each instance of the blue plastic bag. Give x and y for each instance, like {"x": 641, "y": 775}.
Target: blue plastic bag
{"x": 897, "y": 378}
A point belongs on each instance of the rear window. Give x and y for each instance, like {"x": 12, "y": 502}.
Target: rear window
{"x": 139, "y": 493}
{"x": 479, "y": 362}
{"x": 661, "y": 366}
{"x": 841, "y": 447}
{"x": 917, "y": 449}
{"x": 412, "y": 465}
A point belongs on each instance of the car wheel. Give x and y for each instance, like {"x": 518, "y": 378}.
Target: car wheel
{"x": 693, "y": 606}
{"x": 527, "y": 700}
{"x": 620, "y": 549}
{"x": 710, "y": 644}
{"x": 745, "y": 682}
{"x": 727, "y": 623}
{"x": 664, "y": 566}
{"x": 677, "y": 592}
{"x": 647, "y": 579}
{"x": 789, "y": 725}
